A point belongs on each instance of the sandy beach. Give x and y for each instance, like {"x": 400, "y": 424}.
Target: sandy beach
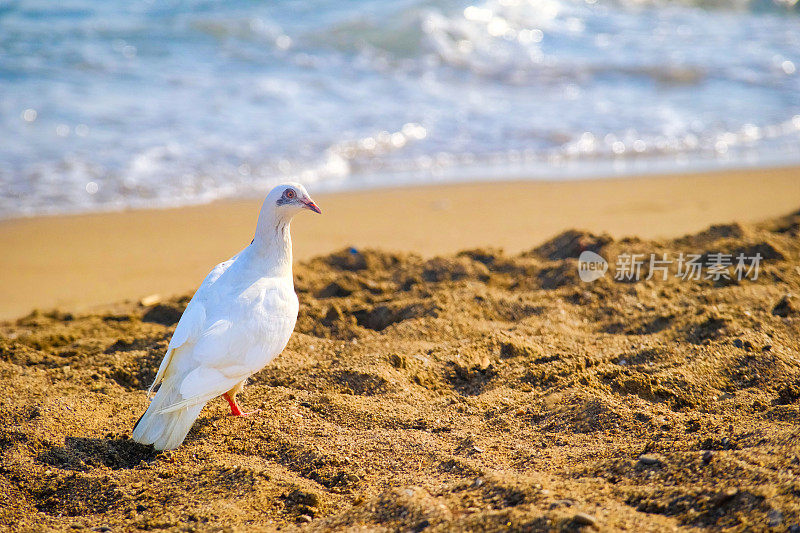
{"x": 77, "y": 262}
{"x": 424, "y": 389}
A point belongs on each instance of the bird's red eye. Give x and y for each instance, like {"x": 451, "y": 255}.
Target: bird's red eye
{"x": 289, "y": 193}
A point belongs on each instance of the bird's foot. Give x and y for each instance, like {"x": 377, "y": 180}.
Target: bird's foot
{"x": 235, "y": 409}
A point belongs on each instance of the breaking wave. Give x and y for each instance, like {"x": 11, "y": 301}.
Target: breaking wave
{"x": 118, "y": 104}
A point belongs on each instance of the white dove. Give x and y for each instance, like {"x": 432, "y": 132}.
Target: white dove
{"x": 239, "y": 320}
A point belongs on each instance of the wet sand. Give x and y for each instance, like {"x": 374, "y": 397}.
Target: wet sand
{"x": 77, "y": 262}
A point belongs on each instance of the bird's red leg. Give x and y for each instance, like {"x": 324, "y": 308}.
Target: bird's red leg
{"x": 235, "y": 409}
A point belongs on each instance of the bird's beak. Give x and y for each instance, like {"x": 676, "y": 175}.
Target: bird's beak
{"x": 308, "y": 203}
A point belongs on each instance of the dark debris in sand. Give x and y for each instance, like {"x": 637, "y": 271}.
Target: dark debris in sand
{"x": 478, "y": 392}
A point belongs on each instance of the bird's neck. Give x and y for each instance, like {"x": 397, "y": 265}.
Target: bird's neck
{"x": 272, "y": 247}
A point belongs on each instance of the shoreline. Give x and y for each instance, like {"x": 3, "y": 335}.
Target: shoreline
{"x": 579, "y": 173}
{"x": 80, "y": 261}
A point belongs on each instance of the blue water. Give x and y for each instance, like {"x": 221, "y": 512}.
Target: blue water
{"x": 115, "y": 104}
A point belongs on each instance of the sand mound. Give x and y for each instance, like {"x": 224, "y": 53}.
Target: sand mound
{"x": 478, "y": 391}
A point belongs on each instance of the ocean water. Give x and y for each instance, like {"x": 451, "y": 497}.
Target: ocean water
{"x": 115, "y": 104}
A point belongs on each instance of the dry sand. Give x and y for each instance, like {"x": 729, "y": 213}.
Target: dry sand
{"x": 477, "y": 391}
{"x": 78, "y": 261}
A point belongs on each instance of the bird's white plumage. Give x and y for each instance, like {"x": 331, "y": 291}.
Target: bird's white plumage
{"x": 239, "y": 319}
{"x": 243, "y": 322}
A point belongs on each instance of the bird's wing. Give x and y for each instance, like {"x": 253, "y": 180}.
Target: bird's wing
{"x": 232, "y": 349}
{"x": 227, "y": 354}
{"x": 188, "y": 327}
{"x": 191, "y": 322}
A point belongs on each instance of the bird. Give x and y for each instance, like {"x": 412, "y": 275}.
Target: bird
{"x": 239, "y": 319}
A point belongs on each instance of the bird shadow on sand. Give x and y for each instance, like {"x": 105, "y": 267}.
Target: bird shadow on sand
{"x": 82, "y": 453}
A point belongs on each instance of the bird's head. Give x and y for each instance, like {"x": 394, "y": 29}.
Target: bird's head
{"x": 289, "y": 199}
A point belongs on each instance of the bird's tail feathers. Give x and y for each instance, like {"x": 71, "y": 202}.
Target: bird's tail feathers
{"x": 166, "y": 430}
